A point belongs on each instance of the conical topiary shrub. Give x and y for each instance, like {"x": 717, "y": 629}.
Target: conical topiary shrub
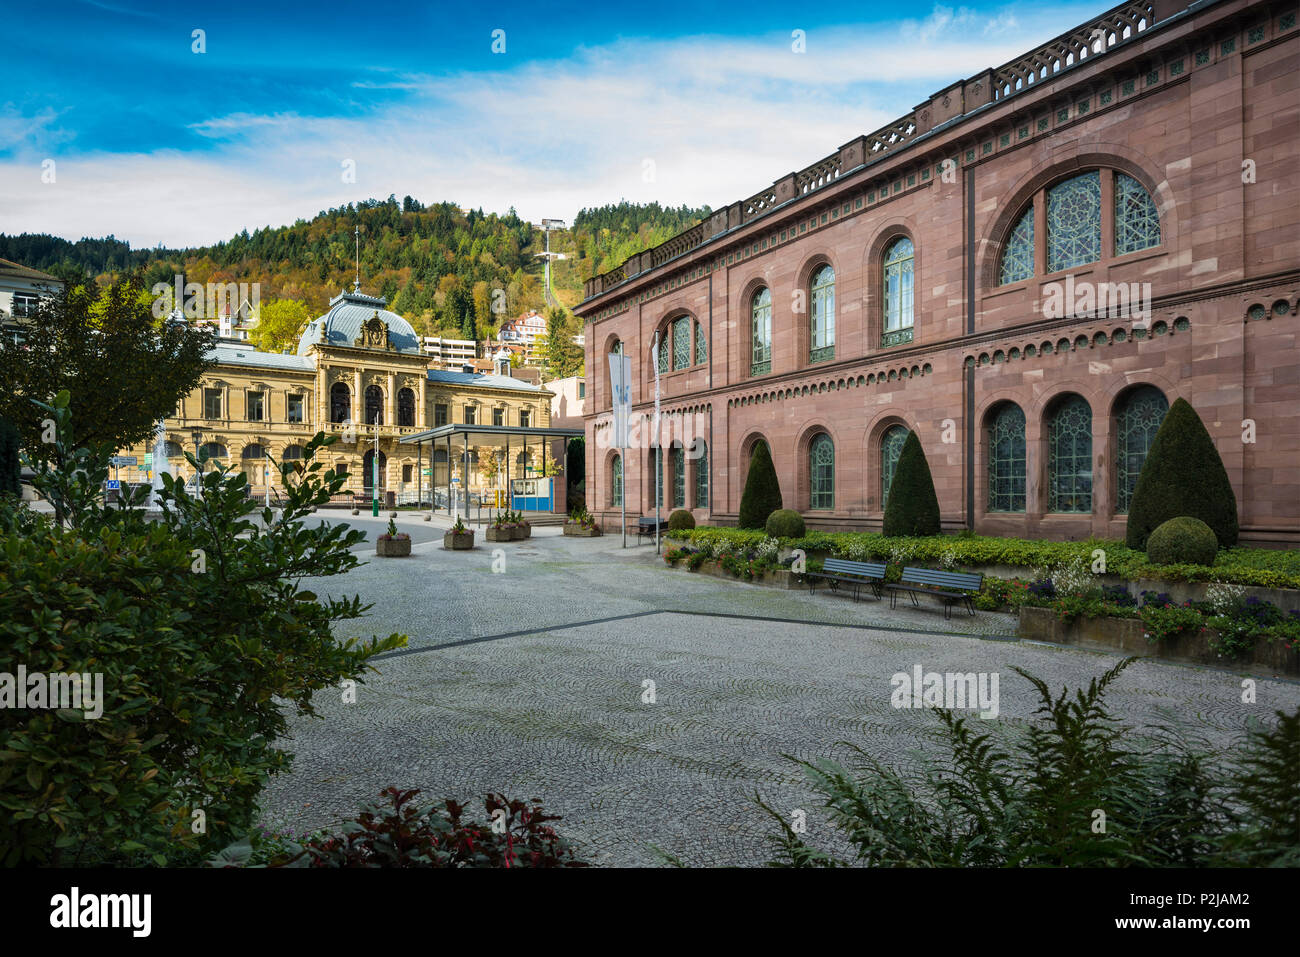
{"x": 762, "y": 495}
{"x": 10, "y": 469}
{"x": 1183, "y": 475}
{"x": 913, "y": 507}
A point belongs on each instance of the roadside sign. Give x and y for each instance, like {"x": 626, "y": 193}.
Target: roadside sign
{"x": 148, "y": 460}
{"x": 122, "y": 460}
{"x": 114, "y": 485}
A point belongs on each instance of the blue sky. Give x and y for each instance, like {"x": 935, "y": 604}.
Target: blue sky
{"x": 589, "y": 103}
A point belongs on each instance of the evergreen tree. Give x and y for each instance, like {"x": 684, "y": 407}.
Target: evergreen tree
{"x": 762, "y": 495}
{"x": 913, "y": 507}
{"x": 10, "y": 468}
{"x": 1183, "y": 476}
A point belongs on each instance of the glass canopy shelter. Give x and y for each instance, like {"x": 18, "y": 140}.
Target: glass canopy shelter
{"x": 481, "y": 467}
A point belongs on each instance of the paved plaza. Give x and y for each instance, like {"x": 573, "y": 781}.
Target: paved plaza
{"x": 532, "y": 680}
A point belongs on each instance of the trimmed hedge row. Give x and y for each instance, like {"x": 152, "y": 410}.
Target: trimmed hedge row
{"x": 1262, "y": 567}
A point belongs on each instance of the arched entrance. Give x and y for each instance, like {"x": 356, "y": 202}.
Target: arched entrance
{"x": 368, "y": 471}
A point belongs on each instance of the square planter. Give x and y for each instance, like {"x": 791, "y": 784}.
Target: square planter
{"x": 518, "y": 533}
{"x": 393, "y": 547}
{"x": 579, "y": 532}
{"x": 499, "y": 535}
{"x": 528, "y": 530}
{"x": 458, "y": 541}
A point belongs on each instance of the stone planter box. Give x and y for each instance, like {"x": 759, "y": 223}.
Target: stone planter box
{"x": 773, "y": 578}
{"x": 1126, "y": 635}
{"x": 498, "y": 535}
{"x": 527, "y": 531}
{"x": 580, "y": 532}
{"x": 458, "y": 541}
{"x": 393, "y": 547}
{"x": 518, "y": 533}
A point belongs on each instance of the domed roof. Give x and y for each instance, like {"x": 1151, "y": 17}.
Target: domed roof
{"x": 342, "y": 325}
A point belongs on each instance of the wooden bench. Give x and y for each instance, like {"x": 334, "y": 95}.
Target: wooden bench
{"x": 949, "y": 587}
{"x": 857, "y": 574}
{"x": 646, "y": 527}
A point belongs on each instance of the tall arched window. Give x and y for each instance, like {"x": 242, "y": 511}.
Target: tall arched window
{"x": 173, "y": 450}
{"x": 701, "y": 474}
{"x": 291, "y": 453}
{"x": 340, "y": 402}
{"x": 658, "y": 477}
{"x": 821, "y": 473}
{"x": 1006, "y": 452}
{"x": 760, "y": 325}
{"x": 821, "y": 341}
{"x": 701, "y": 347}
{"x": 405, "y": 407}
{"x": 213, "y": 450}
{"x": 253, "y": 451}
{"x": 1074, "y": 222}
{"x": 891, "y": 447}
{"x": 1069, "y": 456}
{"x": 898, "y": 292}
{"x": 374, "y": 405}
{"x": 1137, "y": 419}
{"x": 661, "y": 353}
{"x": 678, "y": 458}
{"x": 616, "y": 482}
{"x": 1018, "y": 252}
{"x": 681, "y": 343}
{"x": 1137, "y": 222}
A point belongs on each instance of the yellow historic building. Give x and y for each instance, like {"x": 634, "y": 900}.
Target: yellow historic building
{"x": 358, "y": 372}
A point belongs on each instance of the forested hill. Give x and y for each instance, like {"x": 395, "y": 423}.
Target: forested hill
{"x": 437, "y": 265}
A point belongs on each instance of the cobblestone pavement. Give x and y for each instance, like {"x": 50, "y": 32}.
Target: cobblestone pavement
{"x": 531, "y": 681}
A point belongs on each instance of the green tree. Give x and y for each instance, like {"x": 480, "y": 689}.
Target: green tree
{"x": 10, "y": 470}
{"x": 564, "y": 357}
{"x": 762, "y": 495}
{"x": 280, "y": 323}
{"x": 1182, "y": 475}
{"x": 913, "y": 507}
{"x": 128, "y": 368}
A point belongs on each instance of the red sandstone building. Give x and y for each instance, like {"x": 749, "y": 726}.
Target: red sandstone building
{"x": 943, "y": 275}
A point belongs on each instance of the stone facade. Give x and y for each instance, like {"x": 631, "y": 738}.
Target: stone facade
{"x": 1198, "y": 105}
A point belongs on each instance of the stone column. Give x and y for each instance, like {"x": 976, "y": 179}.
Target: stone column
{"x": 390, "y": 401}
{"x": 358, "y": 399}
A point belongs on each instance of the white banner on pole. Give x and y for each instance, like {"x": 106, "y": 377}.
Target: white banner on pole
{"x": 620, "y": 380}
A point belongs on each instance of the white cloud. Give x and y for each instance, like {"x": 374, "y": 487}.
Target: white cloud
{"x": 720, "y": 118}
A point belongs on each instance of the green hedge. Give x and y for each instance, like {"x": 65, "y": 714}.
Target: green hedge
{"x": 1263, "y": 567}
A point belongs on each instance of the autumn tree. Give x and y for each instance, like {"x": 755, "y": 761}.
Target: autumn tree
{"x": 279, "y": 325}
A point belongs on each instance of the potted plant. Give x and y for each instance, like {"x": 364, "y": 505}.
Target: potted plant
{"x": 393, "y": 544}
{"x": 498, "y": 531}
{"x": 458, "y": 537}
{"x": 525, "y": 525}
{"x": 518, "y": 526}
{"x": 581, "y": 524}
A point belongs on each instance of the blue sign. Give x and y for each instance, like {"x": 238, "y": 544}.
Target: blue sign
{"x": 114, "y": 485}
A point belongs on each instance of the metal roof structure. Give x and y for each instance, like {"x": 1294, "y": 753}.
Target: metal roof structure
{"x": 483, "y": 380}
{"x": 235, "y": 356}
{"x": 342, "y": 324}
{"x": 459, "y": 428}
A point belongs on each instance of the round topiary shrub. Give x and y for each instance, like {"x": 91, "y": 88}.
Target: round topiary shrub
{"x": 1182, "y": 541}
{"x": 785, "y": 523}
{"x": 680, "y": 520}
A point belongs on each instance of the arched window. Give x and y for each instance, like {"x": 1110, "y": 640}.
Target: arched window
{"x": 679, "y": 476}
{"x": 173, "y": 450}
{"x": 821, "y": 341}
{"x": 681, "y": 332}
{"x": 821, "y": 473}
{"x": 891, "y": 447}
{"x": 1006, "y": 452}
{"x": 701, "y": 474}
{"x": 898, "y": 292}
{"x": 1137, "y": 223}
{"x": 374, "y": 405}
{"x": 1069, "y": 456}
{"x": 661, "y": 353}
{"x": 253, "y": 451}
{"x": 291, "y": 453}
{"x": 1018, "y": 253}
{"x": 657, "y": 478}
{"x": 760, "y": 324}
{"x": 340, "y": 402}
{"x": 405, "y": 407}
{"x": 1137, "y": 419}
{"x": 616, "y": 482}
{"x": 213, "y": 450}
{"x": 701, "y": 347}
{"x": 1074, "y": 222}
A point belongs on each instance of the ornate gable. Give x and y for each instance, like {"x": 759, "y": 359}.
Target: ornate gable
{"x": 374, "y": 334}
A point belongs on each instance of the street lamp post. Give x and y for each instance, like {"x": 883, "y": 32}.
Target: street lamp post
{"x": 197, "y": 436}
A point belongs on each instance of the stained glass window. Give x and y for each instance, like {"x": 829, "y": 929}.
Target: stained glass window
{"x": 1018, "y": 254}
{"x": 1069, "y": 464}
{"x": 702, "y": 475}
{"x": 899, "y": 259}
{"x": 891, "y": 446}
{"x": 616, "y": 482}
{"x": 822, "y": 329}
{"x": 821, "y": 472}
{"x": 659, "y": 477}
{"x": 1006, "y": 451}
{"x": 761, "y": 332}
{"x": 1074, "y": 222}
{"x": 679, "y": 476}
{"x": 701, "y": 347}
{"x": 1137, "y": 224}
{"x": 681, "y": 343}
{"x": 1137, "y": 421}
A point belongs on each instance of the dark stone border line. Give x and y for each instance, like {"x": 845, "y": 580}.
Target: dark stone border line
{"x": 674, "y": 611}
